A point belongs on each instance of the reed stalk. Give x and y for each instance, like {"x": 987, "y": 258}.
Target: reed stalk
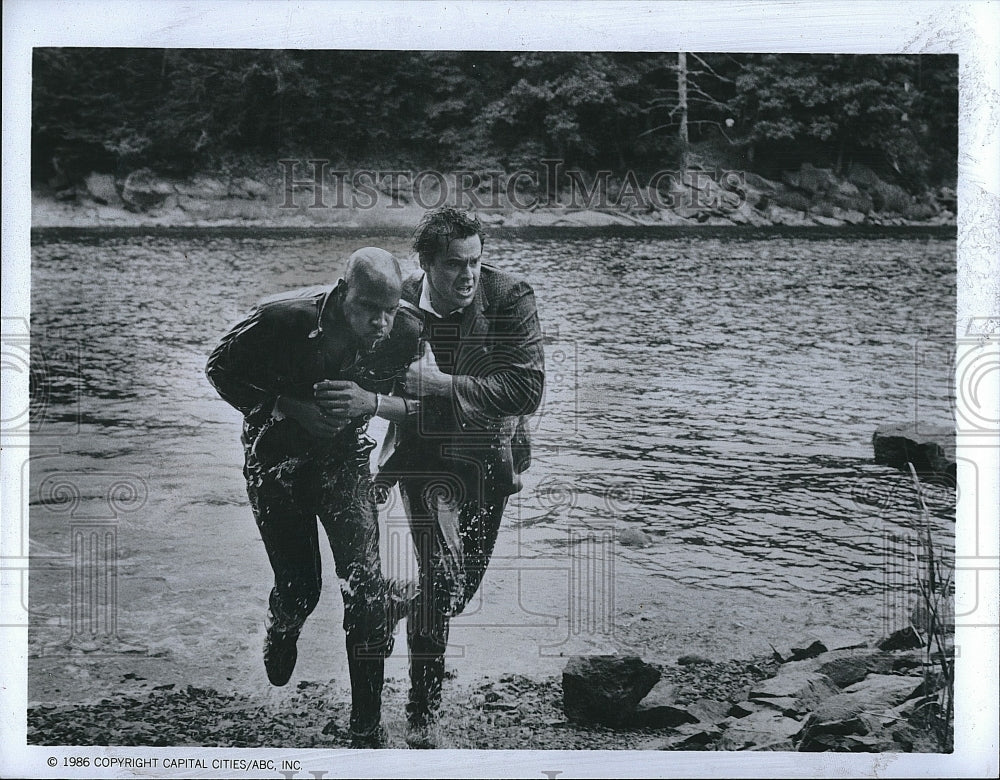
{"x": 934, "y": 581}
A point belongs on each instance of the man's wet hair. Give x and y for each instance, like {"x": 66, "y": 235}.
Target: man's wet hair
{"x": 440, "y": 227}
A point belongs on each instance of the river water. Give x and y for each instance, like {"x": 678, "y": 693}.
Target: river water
{"x": 714, "y": 390}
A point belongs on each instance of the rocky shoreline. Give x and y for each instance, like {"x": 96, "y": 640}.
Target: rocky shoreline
{"x": 508, "y": 712}
{"x": 829, "y": 691}
{"x": 807, "y": 197}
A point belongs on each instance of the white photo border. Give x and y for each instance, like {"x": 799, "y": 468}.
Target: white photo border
{"x": 970, "y": 29}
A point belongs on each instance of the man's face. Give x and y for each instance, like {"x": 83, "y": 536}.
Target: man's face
{"x": 454, "y": 274}
{"x": 370, "y": 310}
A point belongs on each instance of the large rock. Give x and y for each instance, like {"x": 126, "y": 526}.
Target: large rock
{"x": 779, "y": 215}
{"x": 709, "y": 711}
{"x": 792, "y": 199}
{"x": 764, "y": 730}
{"x": 848, "y": 215}
{"x": 862, "y": 176}
{"x": 689, "y": 736}
{"x": 796, "y": 691}
{"x": 931, "y": 449}
{"x": 885, "y": 196}
{"x": 144, "y": 191}
{"x": 743, "y": 708}
{"x": 871, "y": 713}
{"x": 745, "y": 214}
{"x": 903, "y": 639}
{"x": 634, "y": 537}
{"x": 101, "y": 187}
{"x": 659, "y": 709}
{"x": 850, "y": 669}
{"x": 605, "y": 688}
{"x": 846, "y": 667}
{"x": 849, "y": 198}
{"x": 816, "y": 180}
{"x": 757, "y": 182}
{"x": 892, "y": 198}
{"x": 245, "y": 187}
{"x": 876, "y": 693}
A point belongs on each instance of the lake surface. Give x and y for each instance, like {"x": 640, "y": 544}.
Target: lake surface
{"x": 716, "y": 391}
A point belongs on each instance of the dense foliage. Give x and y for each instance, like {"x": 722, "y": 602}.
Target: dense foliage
{"x": 179, "y": 110}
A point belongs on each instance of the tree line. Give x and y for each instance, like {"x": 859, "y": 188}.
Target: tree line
{"x": 183, "y": 110}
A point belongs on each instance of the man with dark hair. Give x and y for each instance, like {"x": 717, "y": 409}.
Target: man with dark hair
{"x": 286, "y": 368}
{"x": 459, "y": 446}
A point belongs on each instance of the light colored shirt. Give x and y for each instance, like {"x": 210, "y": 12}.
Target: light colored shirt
{"x": 425, "y": 301}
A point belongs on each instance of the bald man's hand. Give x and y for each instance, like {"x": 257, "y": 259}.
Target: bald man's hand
{"x": 343, "y": 400}
{"x": 311, "y": 417}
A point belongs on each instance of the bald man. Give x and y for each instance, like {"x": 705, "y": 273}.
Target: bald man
{"x": 307, "y": 370}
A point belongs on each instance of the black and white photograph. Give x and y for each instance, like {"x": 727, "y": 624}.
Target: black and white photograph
{"x": 457, "y": 390}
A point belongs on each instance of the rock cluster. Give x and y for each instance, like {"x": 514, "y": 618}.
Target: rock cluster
{"x": 832, "y": 691}
{"x": 757, "y": 704}
{"x": 144, "y": 193}
{"x": 808, "y": 196}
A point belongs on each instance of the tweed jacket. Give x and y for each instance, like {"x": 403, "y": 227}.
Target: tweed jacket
{"x": 498, "y": 379}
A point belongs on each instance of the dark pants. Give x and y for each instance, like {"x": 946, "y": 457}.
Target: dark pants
{"x": 453, "y": 537}
{"x": 286, "y": 501}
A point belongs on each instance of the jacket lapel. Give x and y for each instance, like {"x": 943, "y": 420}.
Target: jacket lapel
{"x": 411, "y": 289}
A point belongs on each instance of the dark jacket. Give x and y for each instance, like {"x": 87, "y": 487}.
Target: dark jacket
{"x": 289, "y": 342}
{"x": 499, "y": 377}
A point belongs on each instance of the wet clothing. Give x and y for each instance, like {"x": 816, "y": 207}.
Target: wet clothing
{"x": 458, "y": 459}
{"x": 287, "y": 344}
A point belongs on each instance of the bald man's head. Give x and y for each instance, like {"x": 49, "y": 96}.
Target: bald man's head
{"x": 373, "y": 267}
{"x": 373, "y": 283}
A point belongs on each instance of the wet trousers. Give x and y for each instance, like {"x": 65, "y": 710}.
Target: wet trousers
{"x": 453, "y": 538}
{"x": 287, "y": 499}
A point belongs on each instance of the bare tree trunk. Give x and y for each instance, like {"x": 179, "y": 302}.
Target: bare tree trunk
{"x": 682, "y": 104}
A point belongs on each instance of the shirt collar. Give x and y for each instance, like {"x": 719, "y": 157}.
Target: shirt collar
{"x": 425, "y": 301}
{"x": 329, "y": 297}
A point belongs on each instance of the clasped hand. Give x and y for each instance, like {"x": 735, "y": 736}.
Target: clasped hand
{"x": 342, "y": 400}
{"x": 336, "y": 402}
{"x": 332, "y": 407}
